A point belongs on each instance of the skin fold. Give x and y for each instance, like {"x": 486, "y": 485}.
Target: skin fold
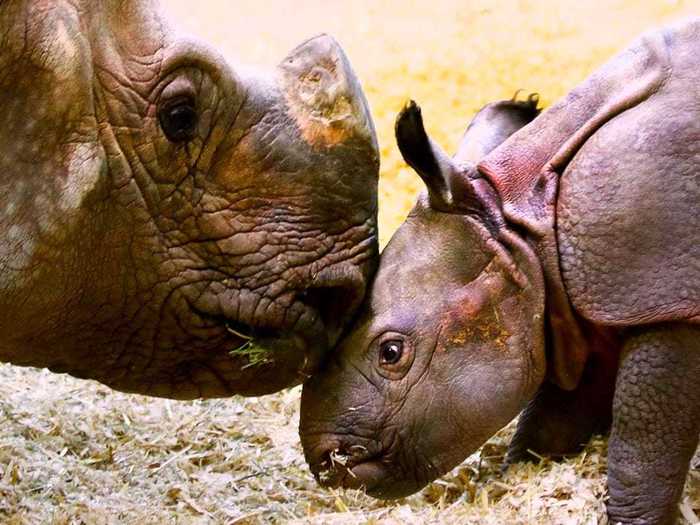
{"x": 170, "y": 225}
{"x": 557, "y": 273}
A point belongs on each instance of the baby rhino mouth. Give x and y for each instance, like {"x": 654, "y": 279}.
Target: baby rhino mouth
{"x": 364, "y": 464}
{"x": 352, "y": 466}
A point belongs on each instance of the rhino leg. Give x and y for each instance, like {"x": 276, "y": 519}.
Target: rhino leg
{"x": 655, "y": 425}
{"x": 558, "y": 422}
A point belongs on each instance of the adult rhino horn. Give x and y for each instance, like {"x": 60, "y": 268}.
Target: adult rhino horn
{"x": 324, "y": 95}
{"x": 432, "y": 164}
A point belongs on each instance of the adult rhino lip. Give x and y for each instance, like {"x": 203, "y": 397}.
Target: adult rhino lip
{"x": 262, "y": 340}
{"x": 315, "y": 311}
{"x": 264, "y": 343}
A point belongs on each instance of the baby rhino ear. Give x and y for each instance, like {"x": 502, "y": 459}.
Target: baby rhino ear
{"x": 449, "y": 185}
{"x": 493, "y": 125}
{"x": 423, "y": 155}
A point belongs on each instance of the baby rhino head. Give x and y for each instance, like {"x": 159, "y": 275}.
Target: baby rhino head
{"x": 445, "y": 350}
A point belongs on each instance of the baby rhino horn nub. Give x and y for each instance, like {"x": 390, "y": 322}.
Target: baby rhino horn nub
{"x": 324, "y": 96}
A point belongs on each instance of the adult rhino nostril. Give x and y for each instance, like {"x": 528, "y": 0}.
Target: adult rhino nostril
{"x": 334, "y": 304}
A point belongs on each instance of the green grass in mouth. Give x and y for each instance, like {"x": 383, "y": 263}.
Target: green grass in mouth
{"x": 255, "y": 354}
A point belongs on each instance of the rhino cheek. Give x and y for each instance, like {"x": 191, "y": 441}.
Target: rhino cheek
{"x": 466, "y": 406}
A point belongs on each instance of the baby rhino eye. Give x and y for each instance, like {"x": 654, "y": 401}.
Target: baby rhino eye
{"x": 396, "y": 355}
{"x": 390, "y": 352}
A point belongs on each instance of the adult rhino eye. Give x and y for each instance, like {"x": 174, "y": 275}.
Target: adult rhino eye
{"x": 178, "y": 119}
{"x": 390, "y": 352}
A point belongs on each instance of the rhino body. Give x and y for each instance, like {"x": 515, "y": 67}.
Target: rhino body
{"x": 170, "y": 225}
{"x": 559, "y": 273}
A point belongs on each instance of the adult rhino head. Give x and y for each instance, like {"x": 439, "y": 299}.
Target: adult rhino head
{"x": 171, "y": 225}
{"x": 445, "y": 351}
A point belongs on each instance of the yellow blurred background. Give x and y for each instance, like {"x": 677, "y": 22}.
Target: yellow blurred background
{"x": 451, "y": 56}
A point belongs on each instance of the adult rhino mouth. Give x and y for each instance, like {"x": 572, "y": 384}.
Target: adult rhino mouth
{"x": 316, "y": 315}
{"x": 273, "y": 343}
{"x": 212, "y": 340}
{"x": 260, "y": 346}
{"x": 255, "y": 344}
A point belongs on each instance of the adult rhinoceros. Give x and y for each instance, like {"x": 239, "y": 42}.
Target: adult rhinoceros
{"x": 559, "y": 271}
{"x": 170, "y": 225}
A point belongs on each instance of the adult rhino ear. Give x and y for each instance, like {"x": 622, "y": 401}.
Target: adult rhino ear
{"x": 49, "y": 135}
{"x": 449, "y": 185}
{"x": 324, "y": 95}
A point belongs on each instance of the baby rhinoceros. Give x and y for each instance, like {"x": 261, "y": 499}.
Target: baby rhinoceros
{"x": 558, "y": 272}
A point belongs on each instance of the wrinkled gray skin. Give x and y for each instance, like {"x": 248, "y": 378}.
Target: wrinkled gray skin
{"x": 170, "y": 225}
{"x": 557, "y": 272}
